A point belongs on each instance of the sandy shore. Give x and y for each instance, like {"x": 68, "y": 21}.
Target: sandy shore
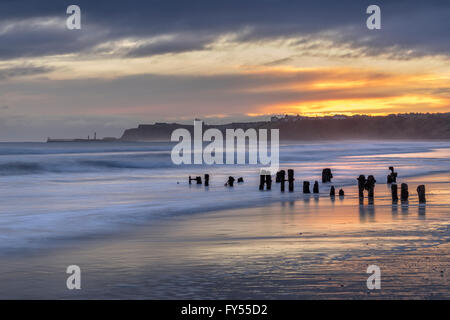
{"x": 308, "y": 248}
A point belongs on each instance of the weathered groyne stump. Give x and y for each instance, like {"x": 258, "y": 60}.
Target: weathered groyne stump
{"x": 326, "y": 175}
{"x": 281, "y": 175}
{"x": 404, "y": 192}
{"x": 262, "y": 181}
{"x": 265, "y": 179}
{"x": 421, "y": 193}
{"x": 206, "y": 180}
{"x": 341, "y": 193}
{"x": 370, "y": 186}
{"x": 268, "y": 181}
{"x": 240, "y": 180}
{"x": 392, "y": 177}
{"x": 332, "y": 191}
{"x": 230, "y": 182}
{"x": 316, "y": 187}
{"x": 291, "y": 180}
{"x": 197, "y": 179}
{"x": 361, "y": 184}
{"x": 306, "y": 187}
{"x": 394, "y": 192}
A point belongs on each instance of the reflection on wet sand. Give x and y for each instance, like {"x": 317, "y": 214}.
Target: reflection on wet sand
{"x": 422, "y": 211}
{"x": 316, "y": 198}
{"x": 405, "y": 207}
{"x": 367, "y": 213}
{"x": 306, "y": 200}
{"x": 394, "y": 210}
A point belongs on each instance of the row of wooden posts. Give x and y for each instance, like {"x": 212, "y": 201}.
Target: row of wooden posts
{"x": 368, "y": 184}
{"x": 229, "y": 183}
{"x": 281, "y": 178}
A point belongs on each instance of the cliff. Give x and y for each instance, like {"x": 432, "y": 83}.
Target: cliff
{"x": 400, "y": 126}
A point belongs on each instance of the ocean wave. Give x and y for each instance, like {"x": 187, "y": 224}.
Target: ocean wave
{"x": 19, "y": 159}
{"x": 74, "y": 166}
{"x": 17, "y": 168}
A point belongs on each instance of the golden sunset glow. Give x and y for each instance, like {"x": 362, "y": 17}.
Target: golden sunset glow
{"x": 355, "y": 91}
{"x": 374, "y": 106}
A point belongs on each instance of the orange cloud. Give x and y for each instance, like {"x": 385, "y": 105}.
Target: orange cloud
{"x": 325, "y": 91}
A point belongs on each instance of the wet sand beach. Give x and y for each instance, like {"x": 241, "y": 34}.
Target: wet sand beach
{"x": 307, "y": 247}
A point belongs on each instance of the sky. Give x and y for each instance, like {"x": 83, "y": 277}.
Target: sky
{"x": 136, "y": 62}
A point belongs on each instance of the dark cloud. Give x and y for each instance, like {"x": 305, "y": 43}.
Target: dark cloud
{"x": 409, "y": 28}
{"x": 20, "y": 71}
{"x": 177, "y": 44}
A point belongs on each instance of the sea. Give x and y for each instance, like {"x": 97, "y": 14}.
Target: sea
{"x": 55, "y": 191}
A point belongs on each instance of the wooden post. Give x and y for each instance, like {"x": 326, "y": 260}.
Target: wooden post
{"x": 268, "y": 181}
{"x": 240, "y": 180}
{"x": 389, "y": 179}
{"x": 421, "y": 193}
{"x": 394, "y": 191}
{"x": 332, "y": 191}
{"x": 262, "y": 181}
{"x": 326, "y": 175}
{"x": 393, "y": 175}
{"x": 282, "y": 179}
{"x": 371, "y": 191}
{"x": 404, "y": 192}
{"x": 280, "y": 175}
{"x": 206, "y": 180}
{"x": 341, "y": 193}
{"x": 316, "y": 187}
{"x": 291, "y": 180}
{"x": 197, "y": 179}
{"x": 370, "y": 186}
{"x": 306, "y": 187}
{"x": 361, "y": 183}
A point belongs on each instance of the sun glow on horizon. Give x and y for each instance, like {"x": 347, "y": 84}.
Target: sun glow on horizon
{"x": 374, "y": 106}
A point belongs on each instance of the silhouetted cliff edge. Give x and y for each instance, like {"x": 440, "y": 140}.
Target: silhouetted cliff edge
{"x": 400, "y": 126}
